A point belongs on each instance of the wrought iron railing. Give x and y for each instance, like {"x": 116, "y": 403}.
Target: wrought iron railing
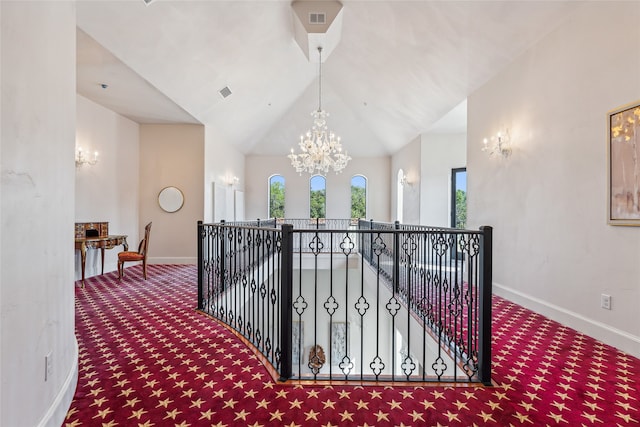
{"x": 331, "y": 300}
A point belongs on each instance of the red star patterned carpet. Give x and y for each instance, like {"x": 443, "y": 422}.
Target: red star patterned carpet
{"x": 147, "y": 358}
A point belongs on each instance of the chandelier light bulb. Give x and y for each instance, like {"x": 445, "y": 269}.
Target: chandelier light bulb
{"x": 83, "y": 158}
{"x": 498, "y": 144}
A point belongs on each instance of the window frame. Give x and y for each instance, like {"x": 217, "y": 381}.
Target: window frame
{"x": 366, "y": 194}
{"x": 324, "y": 178}
{"x": 284, "y": 190}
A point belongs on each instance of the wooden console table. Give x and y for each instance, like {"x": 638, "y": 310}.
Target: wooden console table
{"x": 95, "y": 235}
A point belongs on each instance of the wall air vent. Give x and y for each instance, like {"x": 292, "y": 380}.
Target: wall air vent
{"x": 317, "y": 18}
{"x": 225, "y": 92}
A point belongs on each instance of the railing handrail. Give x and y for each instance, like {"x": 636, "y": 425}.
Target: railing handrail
{"x": 226, "y": 275}
{"x": 402, "y": 227}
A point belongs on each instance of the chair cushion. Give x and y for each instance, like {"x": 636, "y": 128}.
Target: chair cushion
{"x": 130, "y": 256}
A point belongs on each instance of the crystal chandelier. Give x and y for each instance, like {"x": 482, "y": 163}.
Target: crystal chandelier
{"x": 321, "y": 149}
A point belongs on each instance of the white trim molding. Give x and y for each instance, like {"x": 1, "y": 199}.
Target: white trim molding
{"x": 58, "y": 410}
{"x": 617, "y": 338}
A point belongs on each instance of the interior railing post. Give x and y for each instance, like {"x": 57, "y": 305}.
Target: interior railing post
{"x": 223, "y": 255}
{"x": 371, "y": 241}
{"x": 396, "y": 258}
{"x": 200, "y": 240}
{"x": 485, "y": 292}
{"x": 286, "y": 303}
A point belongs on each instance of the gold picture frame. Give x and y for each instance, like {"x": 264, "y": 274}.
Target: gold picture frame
{"x": 623, "y": 165}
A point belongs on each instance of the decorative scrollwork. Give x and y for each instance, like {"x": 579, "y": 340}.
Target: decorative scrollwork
{"x": 331, "y": 305}
{"x": 347, "y": 245}
{"x": 470, "y": 244}
{"x": 316, "y": 245}
{"x": 439, "y": 366}
{"x": 377, "y": 366}
{"x": 362, "y": 305}
{"x": 346, "y": 365}
{"x": 393, "y": 306}
{"x": 470, "y": 367}
{"x": 409, "y": 245}
{"x": 408, "y": 366}
{"x": 440, "y": 245}
{"x": 279, "y": 242}
{"x": 378, "y": 245}
{"x": 300, "y": 305}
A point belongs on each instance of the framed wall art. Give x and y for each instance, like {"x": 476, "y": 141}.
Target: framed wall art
{"x": 297, "y": 342}
{"x": 339, "y": 341}
{"x": 623, "y": 165}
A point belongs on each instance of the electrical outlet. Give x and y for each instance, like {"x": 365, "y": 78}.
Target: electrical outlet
{"x": 605, "y": 301}
{"x": 48, "y": 365}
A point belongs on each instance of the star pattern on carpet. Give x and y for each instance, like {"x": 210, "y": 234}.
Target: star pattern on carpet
{"x": 148, "y": 358}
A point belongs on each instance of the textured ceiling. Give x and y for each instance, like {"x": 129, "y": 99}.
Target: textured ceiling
{"x": 399, "y": 67}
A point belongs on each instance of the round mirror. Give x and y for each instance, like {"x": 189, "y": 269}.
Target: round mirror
{"x": 170, "y": 199}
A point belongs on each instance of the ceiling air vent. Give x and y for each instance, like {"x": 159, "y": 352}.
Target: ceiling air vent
{"x": 225, "y": 91}
{"x": 317, "y": 18}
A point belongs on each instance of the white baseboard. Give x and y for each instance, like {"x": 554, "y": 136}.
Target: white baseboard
{"x": 172, "y": 260}
{"x": 617, "y": 338}
{"x": 58, "y": 410}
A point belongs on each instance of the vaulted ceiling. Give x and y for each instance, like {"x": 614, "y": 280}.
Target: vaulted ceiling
{"x": 398, "y": 68}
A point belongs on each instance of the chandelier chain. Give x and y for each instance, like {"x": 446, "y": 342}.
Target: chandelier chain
{"x": 320, "y": 79}
{"x": 320, "y": 149}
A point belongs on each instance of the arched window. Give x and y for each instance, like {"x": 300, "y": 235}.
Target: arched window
{"x": 400, "y": 196}
{"x": 359, "y": 197}
{"x": 276, "y": 196}
{"x": 317, "y": 197}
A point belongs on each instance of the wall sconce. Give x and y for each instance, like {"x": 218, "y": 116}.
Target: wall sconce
{"x": 498, "y": 144}
{"x": 82, "y": 158}
{"x": 405, "y": 180}
{"x": 231, "y": 180}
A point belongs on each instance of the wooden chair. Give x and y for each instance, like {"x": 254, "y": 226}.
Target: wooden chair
{"x": 141, "y": 255}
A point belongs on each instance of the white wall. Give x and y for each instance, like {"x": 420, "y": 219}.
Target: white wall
{"x": 221, "y": 161}
{"x": 553, "y": 250}
{"x": 407, "y": 159}
{"x": 36, "y": 214}
{"x": 171, "y": 155}
{"x": 109, "y": 190}
{"x": 260, "y": 168}
{"x": 440, "y": 154}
